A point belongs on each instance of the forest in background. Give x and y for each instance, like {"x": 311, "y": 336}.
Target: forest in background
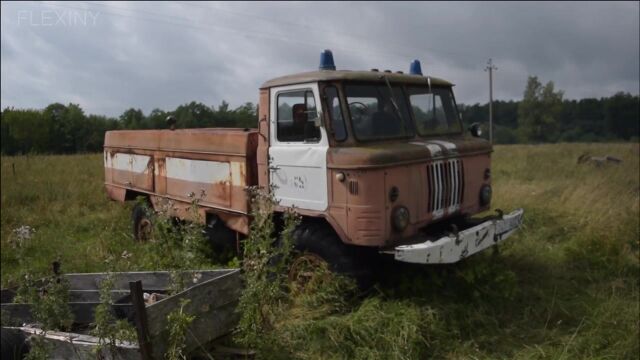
{"x": 542, "y": 116}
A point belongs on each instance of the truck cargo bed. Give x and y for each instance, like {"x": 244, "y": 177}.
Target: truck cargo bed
{"x": 217, "y": 164}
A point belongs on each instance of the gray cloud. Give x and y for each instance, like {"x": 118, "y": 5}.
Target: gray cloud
{"x": 164, "y": 54}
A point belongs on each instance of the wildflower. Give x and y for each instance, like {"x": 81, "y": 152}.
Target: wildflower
{"x": 196, "y": 277}
{"x": 21, "y": 235}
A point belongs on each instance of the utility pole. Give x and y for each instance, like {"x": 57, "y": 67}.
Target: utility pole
{"x": 490, "y": 68}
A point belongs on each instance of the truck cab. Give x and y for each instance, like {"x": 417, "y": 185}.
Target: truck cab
{"x": 379, "y": 155}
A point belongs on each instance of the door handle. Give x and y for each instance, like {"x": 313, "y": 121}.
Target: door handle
{"x": 274, "y": 168}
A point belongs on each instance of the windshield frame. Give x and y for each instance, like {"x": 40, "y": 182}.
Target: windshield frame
{"x": 403, "y": 92}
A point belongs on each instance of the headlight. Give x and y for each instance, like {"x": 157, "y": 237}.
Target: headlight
{"x": 485, "y": 195}
{"x": 400, "y": 218}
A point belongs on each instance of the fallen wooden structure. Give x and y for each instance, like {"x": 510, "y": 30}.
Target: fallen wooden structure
{"x": 212, "y": 298}
{"x": 598, "y": 160}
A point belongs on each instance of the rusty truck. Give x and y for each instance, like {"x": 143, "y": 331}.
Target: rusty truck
{"x": 371, "y": 160}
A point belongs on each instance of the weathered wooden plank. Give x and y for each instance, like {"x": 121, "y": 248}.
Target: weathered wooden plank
{"x": 83, "y": 313}
{"x": 140, "y": 316}
{"x": 64, "y": 346}
{"x": 155, "y": 281}
{"x": 7, "y": 295}
{"x": 80, "y": 296}
{"x": 150, "y": 279}
{"x": 213, "y": 304}
{"x": 213, "y": 299}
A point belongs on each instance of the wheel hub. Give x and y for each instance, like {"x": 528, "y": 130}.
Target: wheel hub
{"x": 307, "y": 268}
{"x": 144, "y": 229}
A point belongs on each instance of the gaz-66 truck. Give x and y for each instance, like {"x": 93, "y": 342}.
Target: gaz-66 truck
{"x": 373, "y": 161}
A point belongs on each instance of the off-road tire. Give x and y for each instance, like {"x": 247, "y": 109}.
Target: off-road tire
{"x": 222, "y": 242}
{"x": 321, "y": 240}
{"x": 142, "y": 224}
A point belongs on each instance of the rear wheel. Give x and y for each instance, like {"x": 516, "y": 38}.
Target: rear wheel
{"x": 142, "y": 225}
{"x": 222, "y": 241}
{"x": 317, "y": 247}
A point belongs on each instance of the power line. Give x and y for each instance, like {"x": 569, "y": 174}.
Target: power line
{"x": 189, "y": 23}
{"x": 324, "y": 31}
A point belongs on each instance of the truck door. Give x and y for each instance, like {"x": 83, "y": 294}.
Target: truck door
{"x": 298, "y": 147}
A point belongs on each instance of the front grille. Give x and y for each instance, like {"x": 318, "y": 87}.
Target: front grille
{"x": 445, "y": 180}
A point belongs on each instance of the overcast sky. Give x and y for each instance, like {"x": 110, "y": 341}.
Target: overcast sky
{"x": 108, "y": 57}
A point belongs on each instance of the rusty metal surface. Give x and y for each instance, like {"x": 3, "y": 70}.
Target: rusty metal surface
{"x": 215, "y": 165}
{"x": 208, "y": 140}
{"x": 263, "y": 139}
{"x": 359, "y": 207}
{"x": 402, "y": 152}
{"x": 364, "y": 216}
{"x": 337, "y": 75}
{"x": 221, "y": 163}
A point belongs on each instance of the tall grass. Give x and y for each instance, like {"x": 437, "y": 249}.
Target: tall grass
{"x": 565, "y": 287}
{"x": 62, "y": 197}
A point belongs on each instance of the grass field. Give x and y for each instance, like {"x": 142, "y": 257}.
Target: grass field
{"x": 565, "y": 287}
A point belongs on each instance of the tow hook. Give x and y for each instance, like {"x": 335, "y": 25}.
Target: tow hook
{"x": 453, "y": 231}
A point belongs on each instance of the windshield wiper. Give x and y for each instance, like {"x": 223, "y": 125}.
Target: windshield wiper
{"x": 393, "y": 99}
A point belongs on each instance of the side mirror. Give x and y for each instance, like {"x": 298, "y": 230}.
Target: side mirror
{"x": 317, "y": 122}
{"x": 312, "y": 129}
{"x": 475, "y": 129}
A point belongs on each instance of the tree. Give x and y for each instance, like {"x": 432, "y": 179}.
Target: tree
{"x": 157, "y": 119}
{"x": 539, "y": 111}
{"x": 78, "y": 131}
{"x": 58, "y": 129}
{"x": 132, "y": 119}
{"x": 23, "y": 131}
{"x": 622, "y": 115}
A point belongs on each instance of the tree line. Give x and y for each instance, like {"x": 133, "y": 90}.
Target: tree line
{"x": 66, "y": 129}
{"x": 541, "y": 116}
{"x": 544, "y": 116}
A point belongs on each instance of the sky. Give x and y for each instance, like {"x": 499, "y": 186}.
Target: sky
{"x": 108, "y": 57}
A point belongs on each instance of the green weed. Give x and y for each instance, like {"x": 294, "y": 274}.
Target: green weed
{"x": 107, "y": 328}
{"x": 263, "y": 264}
{"x": 178, "y": 324}
{"x": 49, "y": 300}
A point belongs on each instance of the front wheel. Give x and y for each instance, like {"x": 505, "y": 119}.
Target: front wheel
{"x": 317, "y": 246}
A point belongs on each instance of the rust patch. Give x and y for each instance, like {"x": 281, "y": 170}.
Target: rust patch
{"x": 115, "y": 193}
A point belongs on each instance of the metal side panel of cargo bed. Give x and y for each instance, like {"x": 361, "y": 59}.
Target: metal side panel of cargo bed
{"x": 215, "y": 165}
{"x": 129, "y": 170}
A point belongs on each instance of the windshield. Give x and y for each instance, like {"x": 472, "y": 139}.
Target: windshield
{"x": 435, "y": 111}
{"x": 373, "y": 115}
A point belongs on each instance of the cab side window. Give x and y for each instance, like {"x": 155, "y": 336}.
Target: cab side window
{"x": 297, "y": 119}
{"x": 335, "y": 112}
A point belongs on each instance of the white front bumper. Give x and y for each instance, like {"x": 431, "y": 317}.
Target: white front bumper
{"x": 453, "y": 248}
